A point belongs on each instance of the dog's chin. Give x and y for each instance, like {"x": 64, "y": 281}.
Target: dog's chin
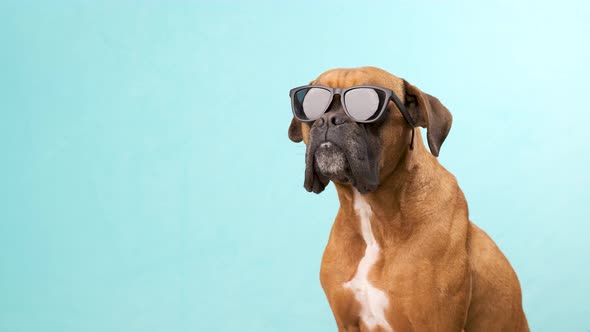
{"x": 328, "y": 161}
{"x": 331, "y": 162}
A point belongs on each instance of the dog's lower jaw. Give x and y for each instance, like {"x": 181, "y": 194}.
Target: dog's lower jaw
{"x": 330, "y": 161}
{"x": 345, "y": 165}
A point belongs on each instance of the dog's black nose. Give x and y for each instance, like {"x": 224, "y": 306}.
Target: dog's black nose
{"x": 332, "y": 118}
{"x": 336, "y": 118}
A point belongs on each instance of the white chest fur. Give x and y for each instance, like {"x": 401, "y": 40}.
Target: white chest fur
{"x": 372, "y": 300}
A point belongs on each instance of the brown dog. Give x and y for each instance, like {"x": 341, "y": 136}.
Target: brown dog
{"x": 402, "y": 254}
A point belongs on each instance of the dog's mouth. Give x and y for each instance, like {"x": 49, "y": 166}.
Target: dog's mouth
{"x": 331, "y": 162}
{"x": 345, "y": 154}
{"x": 328, "y": 161}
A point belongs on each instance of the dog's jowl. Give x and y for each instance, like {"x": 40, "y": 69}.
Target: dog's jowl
{"x": 402, "y": 254}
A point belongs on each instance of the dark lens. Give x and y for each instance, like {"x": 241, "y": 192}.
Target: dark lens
{"x": 311, "y": 103}
{"x": 363, "y": 104}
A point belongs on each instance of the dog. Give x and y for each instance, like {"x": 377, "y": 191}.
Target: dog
{"x": 402, "y": 254}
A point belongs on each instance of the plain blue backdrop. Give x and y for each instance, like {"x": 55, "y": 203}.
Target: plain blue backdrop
{"x": 148, "y": 183}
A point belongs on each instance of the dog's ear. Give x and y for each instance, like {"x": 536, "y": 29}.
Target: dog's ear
{"x": 428, "y": 112}
{"x": 295, "y": 131}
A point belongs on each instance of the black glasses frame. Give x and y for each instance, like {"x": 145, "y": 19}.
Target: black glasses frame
{"x": 389, "y": 95}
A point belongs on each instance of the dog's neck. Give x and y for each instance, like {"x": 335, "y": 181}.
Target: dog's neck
{"x": 413, "y": 193}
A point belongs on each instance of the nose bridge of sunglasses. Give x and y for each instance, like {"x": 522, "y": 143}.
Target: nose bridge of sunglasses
{"x": 336, "y": 104}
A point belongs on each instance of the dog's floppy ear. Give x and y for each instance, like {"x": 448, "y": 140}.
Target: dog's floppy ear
{"x": 428, "y": 112}
{"x": 295, "y": 131}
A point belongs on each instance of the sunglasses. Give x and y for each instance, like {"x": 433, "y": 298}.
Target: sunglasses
{"x": 363, "y": 103}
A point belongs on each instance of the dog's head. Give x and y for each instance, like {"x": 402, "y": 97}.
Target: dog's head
{"x": 360, "y": 154}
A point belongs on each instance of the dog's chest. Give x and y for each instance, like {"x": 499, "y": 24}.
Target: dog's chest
{"x": 372, "y": 300}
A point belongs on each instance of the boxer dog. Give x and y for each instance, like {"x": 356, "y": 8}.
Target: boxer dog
{"x": 402, "y": 253}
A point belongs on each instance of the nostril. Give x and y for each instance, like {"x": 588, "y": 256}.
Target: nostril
{"x": 337, "y": 120}
{"x": 320, "y": 122}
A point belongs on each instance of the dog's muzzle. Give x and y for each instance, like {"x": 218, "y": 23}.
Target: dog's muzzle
{"x": 339, "y": 151}
{"x": 330, "y": 161}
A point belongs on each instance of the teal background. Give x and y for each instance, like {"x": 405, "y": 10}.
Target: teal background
{"x": 148, "y": 183}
